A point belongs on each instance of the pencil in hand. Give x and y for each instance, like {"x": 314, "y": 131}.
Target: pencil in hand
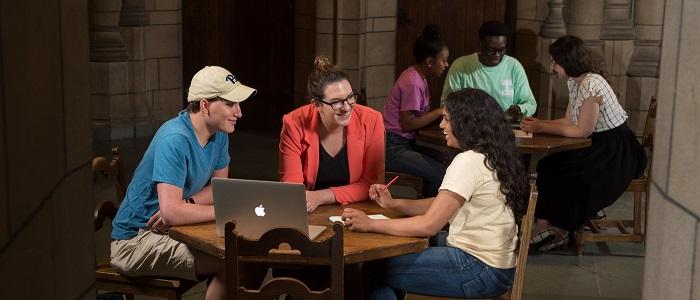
{"x": 390, "y": 182}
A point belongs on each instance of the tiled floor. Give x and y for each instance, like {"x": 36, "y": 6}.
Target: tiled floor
{"x": 606, "y": 271}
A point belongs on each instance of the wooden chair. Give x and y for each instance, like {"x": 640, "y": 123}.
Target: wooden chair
{"x": 266, "y": 251}
{"x": 638, "y": 186}
{"x": 406, "y": 179}
{"x": 515, "y": 292}
{"x": 110, "y": 169}
{"x": 106, "y": 278}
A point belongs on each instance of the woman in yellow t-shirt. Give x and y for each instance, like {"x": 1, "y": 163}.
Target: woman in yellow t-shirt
{"x": 483, "y": 196}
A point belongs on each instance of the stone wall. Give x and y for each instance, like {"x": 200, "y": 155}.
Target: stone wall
{"x": 358, "y": 35}
{"x": 46, "y": 227}
{"x": 305, "y": 38}
{"x": 136, "y": 76}
{"x": 628, "y": 45}
{"x": 378, "y": 50}
{"x": 672, "y": 264}
{"x": 134, "y": 92}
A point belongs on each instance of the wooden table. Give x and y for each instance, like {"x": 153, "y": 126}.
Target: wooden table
{"x": 537, "y": 144}
{"x": 358, "y": 247}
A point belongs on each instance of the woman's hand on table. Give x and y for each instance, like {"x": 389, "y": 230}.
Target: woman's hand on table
{"x": 316, "y": 198}
{"x": 380, "y": 194}
{"x": 312, "y": 201}
{"x": 530, "y": 124}
{"x": 356, "y": 220}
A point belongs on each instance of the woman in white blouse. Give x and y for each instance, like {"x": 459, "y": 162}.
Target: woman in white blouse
{"x": 483, "y": 196}
{"x": 574, "y": 185}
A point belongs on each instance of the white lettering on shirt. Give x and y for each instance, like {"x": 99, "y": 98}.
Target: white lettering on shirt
{"x": 507, "y": 87}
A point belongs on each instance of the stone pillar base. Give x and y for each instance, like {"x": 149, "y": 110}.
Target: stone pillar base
{"x": 112, "y": 130}
{"x": 112, "y": 108}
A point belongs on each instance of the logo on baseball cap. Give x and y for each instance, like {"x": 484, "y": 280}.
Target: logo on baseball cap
{"x": 213, "y": 81}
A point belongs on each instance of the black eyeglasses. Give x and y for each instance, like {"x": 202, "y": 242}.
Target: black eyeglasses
{"x": 494, "y": 51}
{"x": 337, "y": 104}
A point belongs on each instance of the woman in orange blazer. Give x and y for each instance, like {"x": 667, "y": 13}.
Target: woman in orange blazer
{"x": 332, "y": 145}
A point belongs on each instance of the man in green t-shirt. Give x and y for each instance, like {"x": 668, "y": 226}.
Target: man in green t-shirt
{"x": 491, "y": 70}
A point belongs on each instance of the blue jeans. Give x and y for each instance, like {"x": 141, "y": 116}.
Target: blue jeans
{"x": 437, "y": 271}
{"x": 403, "y": 155}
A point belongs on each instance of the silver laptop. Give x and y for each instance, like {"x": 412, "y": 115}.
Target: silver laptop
{"x": 259, "y": 206}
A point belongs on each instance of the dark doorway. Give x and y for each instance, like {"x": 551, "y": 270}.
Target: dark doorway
{"x": 252, "y": 39}
{"x": 459, "y": 22}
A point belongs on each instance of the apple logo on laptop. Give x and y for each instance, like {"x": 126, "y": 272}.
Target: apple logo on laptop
{"x": 260, "y": 211}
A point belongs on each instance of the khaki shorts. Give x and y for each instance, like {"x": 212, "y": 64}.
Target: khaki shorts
{"x": 152, "y": 254}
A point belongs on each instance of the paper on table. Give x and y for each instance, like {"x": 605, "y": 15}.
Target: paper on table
{"x": 521, "y": 133}
{"x": 375, "y": 217}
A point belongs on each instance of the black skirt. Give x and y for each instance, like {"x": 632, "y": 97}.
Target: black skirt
{"x": 574, "y": 185}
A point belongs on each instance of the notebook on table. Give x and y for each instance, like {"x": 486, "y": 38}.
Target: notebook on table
{"x": 259, "y": 206}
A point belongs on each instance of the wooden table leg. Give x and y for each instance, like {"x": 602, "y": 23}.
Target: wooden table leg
{"x": 353, "y": 286}
{"x": 526, "y": 160}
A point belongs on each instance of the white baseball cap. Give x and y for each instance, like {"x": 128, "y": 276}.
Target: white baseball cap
{"x": 214, "y": 81}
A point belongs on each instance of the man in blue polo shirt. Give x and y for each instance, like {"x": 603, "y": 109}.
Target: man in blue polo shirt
{"x": 170, "y": 185}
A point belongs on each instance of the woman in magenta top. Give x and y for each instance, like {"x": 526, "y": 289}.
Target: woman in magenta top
{"x": 408, "y": 109}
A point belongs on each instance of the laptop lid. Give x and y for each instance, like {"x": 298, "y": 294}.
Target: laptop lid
{"x": 258, "y": 206}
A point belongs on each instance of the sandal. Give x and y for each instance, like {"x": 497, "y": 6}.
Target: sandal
{"x": 556, "y": 243}
{"x": 545, "y": 235}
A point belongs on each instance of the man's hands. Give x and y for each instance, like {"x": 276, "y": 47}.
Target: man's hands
{"x": 514, "y": 114}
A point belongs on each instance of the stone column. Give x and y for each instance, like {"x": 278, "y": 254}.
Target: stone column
{"x": 554, "y": 25}
{"x": 597, "y": 47}
{"x": 304, "y": 34}
{"x": 618, "y": 32}
{"x": 587, "y": 20}
{"x": 643, "y": 69}
{"x": 554, "y": 100}
{"x": 642, "y": 81}
{"x": 111, "y": 108}
{"x": 377, "y": 47}
{"x": 106, "y": 44}
{"x": 648, "y": 19}
{"x": 360, "y": 37}
{"x": 531, "y": 50}
{"x": 584, "y": 19}
{"x": 324, "y": 27}
{"x": 645, "y": 59}
{"x": 47, "y": 203}
{"x": 672, "y": 258}
{"x": 553, "y": 96}
{"x": 133, "y": 22}
{"x": 162, "y": 77}
{"x": 133, "y": 13}
{"x": 617, "y": 24}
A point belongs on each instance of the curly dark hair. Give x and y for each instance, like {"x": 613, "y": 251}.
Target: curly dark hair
{"x": 477, "y": 122}
{"x": 575, "y": 58}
